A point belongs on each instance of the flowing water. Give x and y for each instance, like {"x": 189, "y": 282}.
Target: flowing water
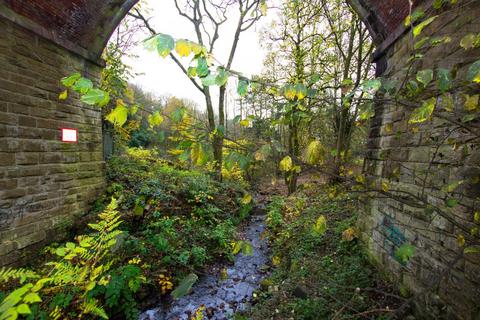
{"x": 223, "y": 297}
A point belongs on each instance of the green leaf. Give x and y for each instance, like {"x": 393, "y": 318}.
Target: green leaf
{"x": 96, "y": 97}
{"x": 242, "y": 88}
{"x": 165, "y": 44}
{"x": 222, "y": 77}
{"x": 192, "y": 72}
{"x": 451, "y": 202}
{"x": 315, "y": 78}
{"x": 444, "y": 79}
{"x": 178, "y": 115}
{"x": 202, "y": 67}
{"x": 420, "y": 43}
{"x": 469, "y": 117}
{"x": 417, "y": 30}
{"x": 209, "y": 80}
{"x": 118, "y": 116}
{"x": 405, "y": 252}
{"x": 155, "y": 119}
{"x": 60, "y": 252}
{"x": 372, "y": 85}
{"x": 247, "y": 248}
{"x": 83, "y": 85}
{"x": 473, "y": 73}
{"x": 424, "y": 112}
{"x": 70, "y": 80}
{"x": 417, "y": 14}
{"x": 425, "y": 76}
{"x": 286, "y": 164}
{"x": 185, "y": 286}
{"x": 24, "y": 309}
{"x": 32, "y": 297}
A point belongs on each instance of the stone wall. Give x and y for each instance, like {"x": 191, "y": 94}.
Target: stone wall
{"x": 44, "y": 183}
{"x": 445, "y": 283}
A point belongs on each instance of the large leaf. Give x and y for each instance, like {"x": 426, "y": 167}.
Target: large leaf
{"x": 405, "y": 252}
{"x": 183, "y": 48}
{"x": 320, "y": 225}
{"x": 118, "y": 116}
{"x": 165, "y": 44}
{"x": 82, "y": 85}
{"x": 209, "y": 80}
{"x": 286, "y": 164}
{"x": 155, "y": 119}
{"x": 289, "y": 91}
{"x": 473, "y": 73}
{"x": 70, "y": 80}
{"x": 96, "y": 97}
{"x": 301, "y": 91}
{"x": 444, "y": 79}
{"x": 222, "y": 77}
{"x": 185, "y": 286}
{"x": 202, "y": 67}
{"x": 314, "y": 152}
{"x": 242, "y": 88}
{"x": 425, "y": 76}
{"x": 424, "y": 112}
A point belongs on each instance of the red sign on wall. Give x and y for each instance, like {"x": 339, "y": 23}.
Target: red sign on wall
{"x": 69, "y": 135}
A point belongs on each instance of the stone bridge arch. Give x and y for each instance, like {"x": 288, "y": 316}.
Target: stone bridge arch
{"x": 44, "y": 182}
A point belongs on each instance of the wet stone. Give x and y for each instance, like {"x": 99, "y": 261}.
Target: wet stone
{"x": 222, "y": 298}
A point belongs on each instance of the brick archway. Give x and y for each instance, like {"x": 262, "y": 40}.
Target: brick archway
{"x": 44, "y": 183}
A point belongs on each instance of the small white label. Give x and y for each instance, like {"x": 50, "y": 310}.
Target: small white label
{"x": 69, "y": 135}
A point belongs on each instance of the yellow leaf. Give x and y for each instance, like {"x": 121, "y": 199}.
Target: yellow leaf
{"x": 196, "y": 48}
{"x": 360, "y": 179}
{"x": 320, "y": 225}
{"x": 461, "y": 240}
{"x": 276, "y": 261}
{"x": 385, "y": 186}
{"x": 245, "y": 123}
{"x": 476, "y": 216}
{"x": 471, "y": 102}
{"x": 349, "y": 234}
{"x": 286, "y": 164}
{"x": 290, "y": 92}
{"x": 314, "y": 153}
{"x": 63, "y": 95}
{"x": 247, "y": 198}
{"x": 183, "y": 48}
{"x": 389, "y": 127}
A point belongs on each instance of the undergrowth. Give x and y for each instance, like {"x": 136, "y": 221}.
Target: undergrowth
{"x": 321, "y": 271}
{"x": 166, "y": 224}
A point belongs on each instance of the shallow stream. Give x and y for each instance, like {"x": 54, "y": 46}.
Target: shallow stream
{"x": 222, "y": 298}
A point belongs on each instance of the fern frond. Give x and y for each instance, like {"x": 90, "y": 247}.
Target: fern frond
{"x": 7, "y": 274}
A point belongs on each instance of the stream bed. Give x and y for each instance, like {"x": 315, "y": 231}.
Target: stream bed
{"x": 222, "y": 298}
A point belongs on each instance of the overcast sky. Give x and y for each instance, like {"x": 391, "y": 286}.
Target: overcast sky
{"x": 163, "y": 77}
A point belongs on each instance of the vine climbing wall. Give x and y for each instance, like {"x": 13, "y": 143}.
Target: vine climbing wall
{"x": 422, "y": 229}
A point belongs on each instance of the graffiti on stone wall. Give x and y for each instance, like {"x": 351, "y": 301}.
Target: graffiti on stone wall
{"x": 393, "y": 237}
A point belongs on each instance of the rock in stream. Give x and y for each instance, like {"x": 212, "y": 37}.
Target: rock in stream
{"x": 222, "y": 298}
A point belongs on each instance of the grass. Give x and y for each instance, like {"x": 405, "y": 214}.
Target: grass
{"x": 321, "y": 270}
